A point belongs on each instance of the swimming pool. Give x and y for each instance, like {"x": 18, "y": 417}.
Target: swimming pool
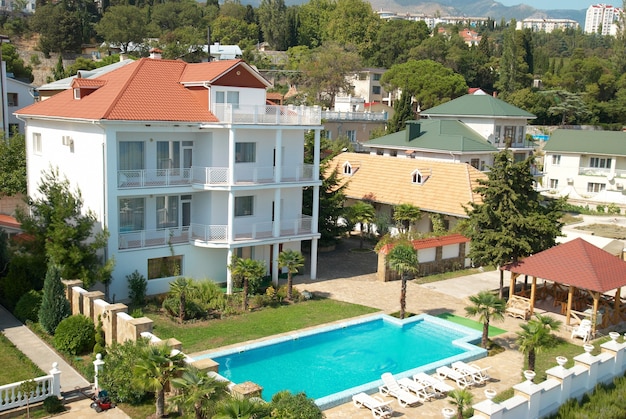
{"x": 332, "y": 363}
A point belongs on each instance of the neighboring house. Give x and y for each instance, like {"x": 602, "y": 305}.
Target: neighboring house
{"x": 546, "y": 25}
{"x": 500, "y": 123}
{"x": 366, "y": 85}
{"x": 436, "y": 187}
{"x": 350, "y": 120}
{"x": 19, "y": 95}
{"x": 470, "y": 37}
{"x": 445, "y": 140}
{"x": 184, "y": 164}
{"x": 50, "y": 89}
{"x": 588, "y": 165}
{"x": 13, "y": 6}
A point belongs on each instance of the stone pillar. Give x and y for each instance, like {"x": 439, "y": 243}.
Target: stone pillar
{"x": 110, "y": 322}
{"x": 88, "y": 299}
{"x": 564, "y": 376}
{"x": 97, "y": 367}
{"x": 69, "y": 284}
{"x": 591, "y": 363}
{"x": 56, "y": 380}
{"x": 531, "y": 392}
{"x": 77, "y": 300}
{"x": 617, "y": 350}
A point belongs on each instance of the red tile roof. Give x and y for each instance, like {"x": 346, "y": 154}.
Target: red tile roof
{"x": 577, "y": 263}
{"x": 8, "y": 221}
{"x": 431, "y": 242}
{"x": 146, "y": 90}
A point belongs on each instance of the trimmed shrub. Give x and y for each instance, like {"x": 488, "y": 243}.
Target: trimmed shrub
{"x": 75, "y": 335}
{"x": 27, "y": 308}
{"x": 137, "y": 286}
{"x": 54, "y": 306}
{"x": 98, "y": 348}
{"x": 52, "y": 404}
{"x": 287, "y": 405}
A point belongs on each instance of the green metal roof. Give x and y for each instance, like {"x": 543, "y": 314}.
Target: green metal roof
{"x": 478, "y": 106}
{"x": 437, "y": 135}
{"x": 611, "y": 143}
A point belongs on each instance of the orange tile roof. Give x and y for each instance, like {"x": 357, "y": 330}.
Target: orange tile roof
{"x": 388, "y": 180}
{"x": 431, "y": 242}
{"x": 578, "y": 263}
{"x": 146, "y": 90}
{"x": 8, "y": 221}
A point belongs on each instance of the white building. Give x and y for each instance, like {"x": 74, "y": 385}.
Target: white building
{"x": 18, "y": 95}
{"x": 546, "y": 25}
{"x": 366, "y": 85}
{"x": 601, "y": 19}
{"x": 184, "y": 164}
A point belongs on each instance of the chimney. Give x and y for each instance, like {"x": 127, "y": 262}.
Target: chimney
{"x": 155, "y": 53}
{"x": 413, "y": 130}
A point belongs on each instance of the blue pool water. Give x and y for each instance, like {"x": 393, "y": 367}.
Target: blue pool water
{"x": 333, "y": 363}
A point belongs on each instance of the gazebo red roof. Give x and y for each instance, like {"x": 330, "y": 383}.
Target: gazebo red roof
{"x": 578, "y": 263}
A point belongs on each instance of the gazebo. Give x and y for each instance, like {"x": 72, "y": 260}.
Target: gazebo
{"x": 577, "y": 275}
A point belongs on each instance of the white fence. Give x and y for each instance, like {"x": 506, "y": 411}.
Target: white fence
{"x": 48, "y": 385}
{"x": 533, "y": 401}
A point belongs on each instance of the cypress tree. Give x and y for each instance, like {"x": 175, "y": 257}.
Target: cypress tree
{"x": 54, "y": 305}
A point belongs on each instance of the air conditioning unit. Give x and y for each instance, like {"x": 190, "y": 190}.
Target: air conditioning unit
{"x": 67, "y": 140}
{"x": 619, "y": 185}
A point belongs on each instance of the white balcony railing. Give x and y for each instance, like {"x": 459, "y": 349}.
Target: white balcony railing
{"x": 133, "y": 179}
{"x": 48, "y": 385}
{"x": 153, "y": 238}
{"x": 147, "y": 178}
{"x": 597, "y": 171}
{"x": 354, "y": 116}
{"x": 267, "y": 114}
{"x": 214, "y": 233}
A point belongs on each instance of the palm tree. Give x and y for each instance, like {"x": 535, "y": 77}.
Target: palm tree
{"x": 361, "y": 213}
{"x": 242, "y": 408}
{"x": 247, "y": 270}
{"x": 461, "y": 398}
{"x": 181, "y": 289}
{"x": 536, "y": 335}
{"x": 198, "y": 392}
{"x": 405, "y": 215}
{"x": 403, "y": 259}
{"x": 157, "y": 366}
{"x": 292, "y": 260}
{"x": 487, "y": 307}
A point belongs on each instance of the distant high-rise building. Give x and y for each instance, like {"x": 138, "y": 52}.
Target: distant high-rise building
{"x": 601, "y": 19}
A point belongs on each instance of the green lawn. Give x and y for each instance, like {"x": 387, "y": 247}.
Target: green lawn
{"x": 21, "y": 367}
{"x": 199, "y": 336}
{"x": 472, "y": 324}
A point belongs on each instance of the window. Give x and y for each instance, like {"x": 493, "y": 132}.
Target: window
{"x": 416, "y": 177}
{"x": 554, "y": 183}
{"x": 168, "y": 154}
{"x": 167, "y": 211}
{"x": 509, "y": 135}
{"x": 131, "y": 155}
{"x": 376, "y": 90}
{"x": 231, "y": 98}
{"x": 37, "y": 143}
{"x": 595, "y": 187}
{"x": 556, "y": 159}
{"x": 165, "y": 267}
{"x": 482, "y": 166}
{"x": 377, "y": 76}
{"x": 475, "y": 163}
{"x": 245, "y": 152}
{"x": 14, "y": 128}
{"x": 518, "y": 157}
{"x": 131, "y": 214}
{"x": 498, "y": 134}
{"x": 244, "y": 206}
{"x": 347, "y": 168}
{"x": 12, "y": 99}
{"x": 520, "y": 135}
{"x": 600, "y": 163}
{"x": 351, "y": 134}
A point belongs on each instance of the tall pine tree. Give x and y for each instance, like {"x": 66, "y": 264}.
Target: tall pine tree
{"x": 54, "y": 305}
{"x": 403, "y": 111}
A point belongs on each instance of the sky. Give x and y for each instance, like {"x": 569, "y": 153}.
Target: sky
{"x": 558, "y": 4}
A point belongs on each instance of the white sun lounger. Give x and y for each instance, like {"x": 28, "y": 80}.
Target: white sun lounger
{"x": 423, "y": 391}
{"x": 462, "y": 380}
{"x": 478, "y": 374}
{"x": 438, "y": 386}
{"x": 379, "y": 407}
{"x": 391, "y": 388}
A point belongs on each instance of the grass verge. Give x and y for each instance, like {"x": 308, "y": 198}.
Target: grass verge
{"x": 21, "y": 369}
{"x": 209, "y": 334}
{"x": 454, "y": 274}
{"x": 472, "y": 324}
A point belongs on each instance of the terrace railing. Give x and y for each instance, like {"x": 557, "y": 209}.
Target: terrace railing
{"x": 354, "y": 116}
{"x": 153, "y": 238}
{"x": 267, "y": 114}
{"x": 49, "y": 385}
{"x": 148, "y": 178}
{"x": 597, "y": 171}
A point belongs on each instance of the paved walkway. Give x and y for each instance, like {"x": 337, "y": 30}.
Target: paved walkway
{"x": 43, "y": 356}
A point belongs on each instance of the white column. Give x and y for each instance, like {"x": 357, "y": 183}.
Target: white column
{"x": 97, "y": 367}
{"x": 277, "y": 213}
{"x": 56, "y": 380}
{"x": 229, "y": 276}
{"x": 230, "y": 233}
{"x": 278, "y": 145}
{"x": 314, "y": 258}
{"x": 276, "y": 269}
{"x": 231, "y": 156}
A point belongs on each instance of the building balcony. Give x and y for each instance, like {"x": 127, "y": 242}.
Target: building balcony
{"x": 215, "y": 234}
{"x": 354, "y": 116}
{"x": 597, "y": 171}
{"x": 212, "y": 176}
{"x": 267, "y": 114}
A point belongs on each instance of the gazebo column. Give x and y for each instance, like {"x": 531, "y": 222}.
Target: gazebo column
{"x": 512, "y": 284}
{"x": 533, "y": 289}
{"x": 570, "y": 298}
{"x": 594, "y": 317}
{"x": 617, "y": 316}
